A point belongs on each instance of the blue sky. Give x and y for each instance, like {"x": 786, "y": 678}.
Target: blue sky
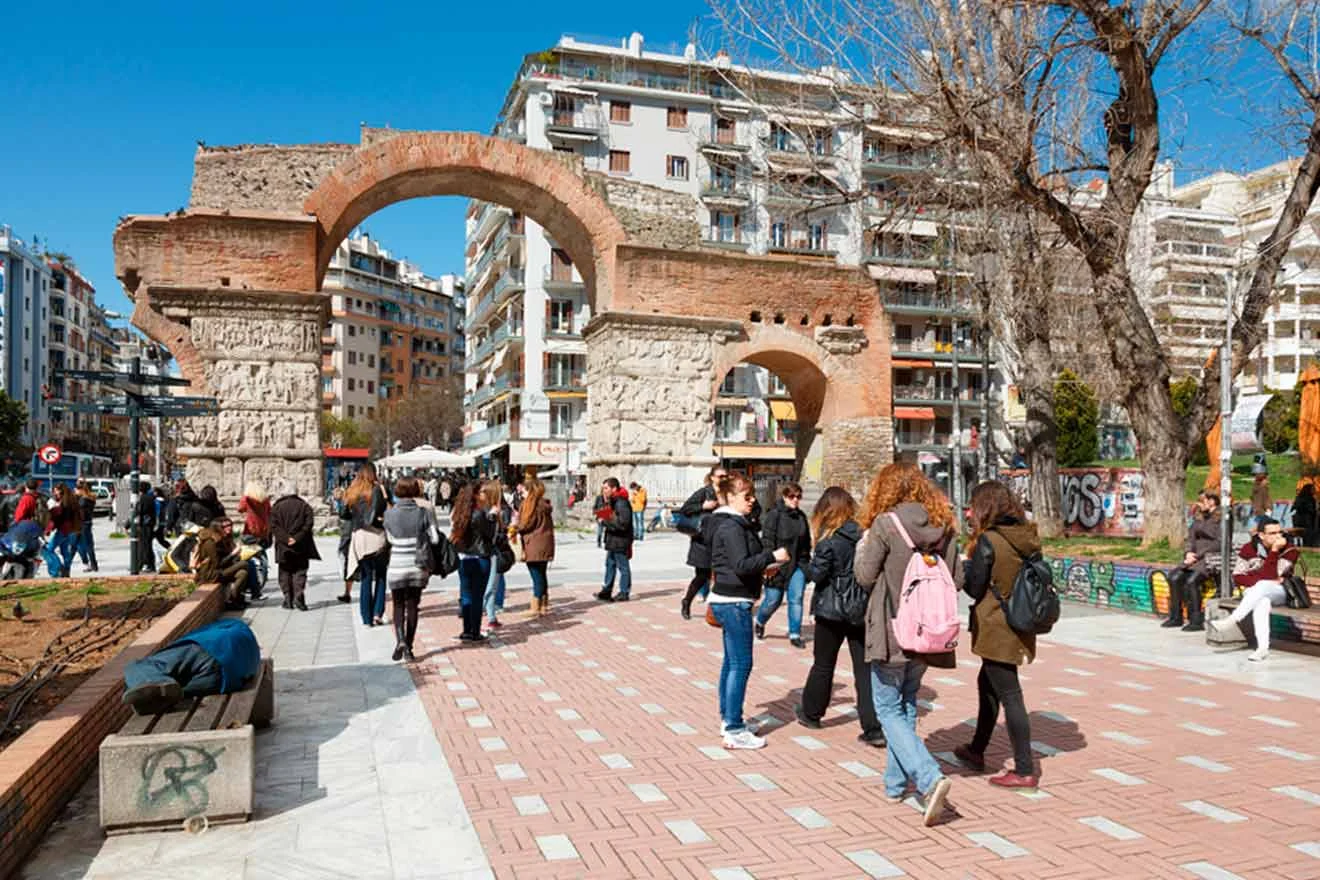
{"x": 106, "y": 104}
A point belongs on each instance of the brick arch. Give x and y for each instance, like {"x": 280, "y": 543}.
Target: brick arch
{"x": 548, "y": 188}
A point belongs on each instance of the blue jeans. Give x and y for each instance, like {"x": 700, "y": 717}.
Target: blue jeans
{"x": 736, "y": 624}
{"x": 494, "y": 595}
{"x": 64, "y": 544}
{"x": 371, "y": 587}
{"x": 894, "y": 687}
{"x": 617, "y": 560}
{"x": 797, "y": 586}
{"x": 540, "y": 583}
{"x": 473, "y": 575}
{"x": 639, "y": 524}
{"x": 86, "y": 546}
{"x": 600, "y": 533}
{"x": 196, "y": 671}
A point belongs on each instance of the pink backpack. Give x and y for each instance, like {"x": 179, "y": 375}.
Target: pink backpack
{"x": 927, "y": 619}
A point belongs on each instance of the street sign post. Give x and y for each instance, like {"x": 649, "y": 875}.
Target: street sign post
{"x": 50, "y": 455}
{"x": 137, "y": 405}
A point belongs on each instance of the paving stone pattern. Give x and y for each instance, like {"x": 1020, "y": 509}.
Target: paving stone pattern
{"x": 594, "y": 757}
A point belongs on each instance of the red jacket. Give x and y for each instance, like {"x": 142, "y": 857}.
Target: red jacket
{"x": 27, "y": 507}
{"x": 1254, "y": 565}
{"x": 256, "y": 520}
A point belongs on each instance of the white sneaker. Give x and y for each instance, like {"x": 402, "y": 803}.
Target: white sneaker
{"x": 749, "y": 724}
{"x": 743, "y": 739}
{"x": 1258, "y": 655}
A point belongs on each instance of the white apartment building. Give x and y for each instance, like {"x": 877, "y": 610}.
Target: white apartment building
{"x": 1194, "y": 237}
{"x": 25, "y": 283}
{"x": 393, "y": 331}
{"x": 774, "y": 163}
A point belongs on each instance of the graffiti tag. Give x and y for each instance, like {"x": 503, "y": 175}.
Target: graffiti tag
{"x": 178, "y": 774}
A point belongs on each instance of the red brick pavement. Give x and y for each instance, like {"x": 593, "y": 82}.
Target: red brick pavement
{"x": 577, "y": 753}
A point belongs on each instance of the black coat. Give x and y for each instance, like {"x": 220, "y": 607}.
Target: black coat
{"x": 619, "y": 527}
{"x": 480, "y": 536}
{"x": 787, "y": 527}
{"x": 698, "y": 555}
{"x": 737, "y": 557}
{"x": 833, "y": 559}
{"x": 291, "y": 517}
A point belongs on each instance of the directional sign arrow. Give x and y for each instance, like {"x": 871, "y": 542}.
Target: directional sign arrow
{"x": 168, "y": 401}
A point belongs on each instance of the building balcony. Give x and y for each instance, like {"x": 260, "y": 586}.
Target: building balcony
{"x": 721, "y": 193}
{"x": 922, "y": 441}
{"x": 885, "y": 164}
{"x": 510, "y": 282}
{"x": 911, "y": 302}
{"x": 802, "y": 249}
{"x": 561, "y": 278}
{"x": 904, "y": 258}
{"x": 937, "y": 351}
{"x": 578, "y": 125}
{"x": 730, "y": 242}
{"x": 717, "y": 143}
{"x": 927, "y": 394}
{"x": 1168, "y": 253}
{"x": 563, "y": 381}
{"x": 489, "y": 392}
{"x": 795, "y": 196}
{"x": 563, "y": 331}
{"x": 487, "y": 436}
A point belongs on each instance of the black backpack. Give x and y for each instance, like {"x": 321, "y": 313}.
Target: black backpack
{"x": 1294, "y": 587}
{"x": 1033, "y": 606}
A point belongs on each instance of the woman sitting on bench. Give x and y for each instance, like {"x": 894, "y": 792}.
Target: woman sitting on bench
{"x": 1201, "y": 557}
{"x": 1261, "y": 566}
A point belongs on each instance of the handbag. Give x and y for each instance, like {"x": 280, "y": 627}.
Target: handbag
{"x": 1294, "y": 588}
{"x": 711, "y": 618}
{"x": 504, "y": 555}
{"x": 843, "y": 600}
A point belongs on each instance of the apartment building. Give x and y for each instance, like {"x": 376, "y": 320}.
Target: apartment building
{"x": 777, "y": 164}
{"x": 71, "y": 304}
{"x": 25, "y": 285}
{"x": 394, "y": 331}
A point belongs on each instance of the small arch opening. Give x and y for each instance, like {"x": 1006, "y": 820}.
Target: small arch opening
{"x": 755, "y": 317}
{"x": 779, "y": 317}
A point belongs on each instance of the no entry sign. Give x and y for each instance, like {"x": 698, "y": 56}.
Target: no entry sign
{"x": 50, "y": 454}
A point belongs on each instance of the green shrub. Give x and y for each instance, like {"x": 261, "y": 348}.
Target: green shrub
{"x": 1077, "y": 416}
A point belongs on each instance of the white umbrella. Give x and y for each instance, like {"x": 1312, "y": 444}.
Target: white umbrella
{"x": 427, "y": 456}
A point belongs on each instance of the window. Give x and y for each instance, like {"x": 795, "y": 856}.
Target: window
{"x": 352, "y": 357}
{"x": 352, "y": 386}
{"x": 620, "y": 111}
{"x": 561, "y": 267}
{"x": 676, "y": 117}
{"x": 726, "y": 131}
{"x": 371, "y": 412}
{"x": 371, "y": 360}
{"x": 817, "y": 237}
{"x": 620, "y": 161}
{"x": 561, "y": 316}
{"x": 327, "y": 386}
{"x": 723, "y": 178}
{"x": 559, "y": 149}
{"x": 779, "y": 234}
{"x": 676, "y": 167}
{"x": 728, "y": 424}
{"x": 822, "y": 141}
{"x": 565, "y": 109}
{"x": 371, "y": 387}
{"x": 350, "y": 410}
{"x": 724, "y": 226}
{"x": 561, "y": 419}
{"x": 780, "y": 138}
{"x": 352, "y": 330}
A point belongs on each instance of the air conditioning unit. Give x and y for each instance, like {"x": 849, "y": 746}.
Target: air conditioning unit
{"x": 546, "y": 99}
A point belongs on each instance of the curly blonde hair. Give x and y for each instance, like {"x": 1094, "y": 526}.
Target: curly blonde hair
{"x": 899, "y": 483}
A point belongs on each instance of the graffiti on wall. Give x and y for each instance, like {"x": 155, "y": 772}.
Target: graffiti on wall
{"x": 1094, "y": 501}
{"x": 1122, "y": 586}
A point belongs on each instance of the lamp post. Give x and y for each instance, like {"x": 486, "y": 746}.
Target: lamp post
{"x": 1226, "y": 443}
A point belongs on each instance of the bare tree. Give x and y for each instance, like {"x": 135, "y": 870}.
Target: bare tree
{"x": 431, "y": 415}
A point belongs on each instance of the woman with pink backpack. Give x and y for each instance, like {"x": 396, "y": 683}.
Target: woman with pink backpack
{"x": 908, "y": 560}
{"x": 1001, "y": 540}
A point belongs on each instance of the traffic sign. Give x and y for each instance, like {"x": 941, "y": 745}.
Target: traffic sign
{"x": 50, "y": 454}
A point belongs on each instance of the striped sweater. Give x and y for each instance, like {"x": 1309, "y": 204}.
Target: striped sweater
{"x": 405, "y": 523}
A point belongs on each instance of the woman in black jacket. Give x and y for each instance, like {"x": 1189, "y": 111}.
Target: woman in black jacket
{"x": 839, "y": 606}
{"x": 786, "y": 526}
{"x": 473, "y": 532}
{"x": 739, "y": 564}
{"x": 697, "y": 508}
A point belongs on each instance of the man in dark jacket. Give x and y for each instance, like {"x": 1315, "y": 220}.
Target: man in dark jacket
{"x": 1201, "y": 557}
{"x": 291, "y": 523}
{"x": 144, "y": 520}
{"x": 695, "y": 510}
{"x": 617, "y": 518}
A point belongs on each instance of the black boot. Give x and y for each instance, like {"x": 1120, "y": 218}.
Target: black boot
{"x": 1175, "y": 617}
{"x": 1195, "y": 608}
{"x": 686, "y": 609}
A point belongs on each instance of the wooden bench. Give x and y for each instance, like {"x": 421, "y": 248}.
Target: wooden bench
{"x": 190, "y": 767}
{"x": 1298, "y": 626}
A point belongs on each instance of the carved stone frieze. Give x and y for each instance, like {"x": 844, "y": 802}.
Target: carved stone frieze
{"x": 841, "y": 340}
{"x": 230, "y": 335}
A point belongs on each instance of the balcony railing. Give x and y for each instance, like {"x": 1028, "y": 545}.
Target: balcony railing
{"x": 735, "y": 192}
{"x": 587, "y": 121}
{"x": 717, "y": 141}
{"x": 1193, "y": 250}
{"x": 914, "y": 301}
{"x": 919, "y": 439}
{"x": 489, "y": 391}
{"x": 487, "y": 436}
{"x": 560, "y": 277}
{"x": 931, "y": 393}
{"x": 880, "y": 163}
{"x": 562, "y": 380}
{"x": 903, "y": 257}
{"x": 796, "y": 195}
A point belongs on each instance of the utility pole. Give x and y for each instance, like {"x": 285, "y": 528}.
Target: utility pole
{"x": 955, "y": 472}
{"x": 1226, "y": 444}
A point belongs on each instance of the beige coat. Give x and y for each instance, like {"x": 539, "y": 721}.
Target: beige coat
{"x": 882, "y": 558}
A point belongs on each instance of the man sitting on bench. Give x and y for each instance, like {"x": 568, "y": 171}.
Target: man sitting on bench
{"x": 1262, "y": 564}
{"x": 216, "y": 560}
{"x": 219, "y": 658}
{"x": 1201, "y": 556}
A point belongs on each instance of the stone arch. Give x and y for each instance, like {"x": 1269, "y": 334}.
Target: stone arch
{"x": 549, "y": 188}
{"x": 830, "y": 391}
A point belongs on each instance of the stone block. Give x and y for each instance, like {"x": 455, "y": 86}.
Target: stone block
{"x": 1235, "y": 638}
{"x": 160, "y": 780}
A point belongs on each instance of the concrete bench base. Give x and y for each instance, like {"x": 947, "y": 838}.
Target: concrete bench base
{"x": 187, "y": 768}
{"x": 163, "y": 779}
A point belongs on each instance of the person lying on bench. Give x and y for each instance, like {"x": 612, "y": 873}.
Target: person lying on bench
{"x": 1261, "y": 566}
{"x": 1201, "y": 556}
{"x": 219, "y": 658}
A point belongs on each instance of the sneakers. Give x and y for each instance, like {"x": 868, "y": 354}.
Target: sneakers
{"x": 760, "y": 629}
{"x": 935, "y": 799}
{"x": 972, "y": 760}
{"x": 494, "y": 623}
{"x": 408, "y": 655}
{"x": 872, "y": 738}
{"x": 1013, "y": 780}
{"x": 743, "y": 739}
{"x": 1258, "y": 655}
{"x": 622, "y": 597}
{"x": 804, "y": 720}
{"x": 796, "y": 641}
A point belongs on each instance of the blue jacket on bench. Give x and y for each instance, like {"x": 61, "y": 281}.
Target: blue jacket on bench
{"x": 231, "y": 643}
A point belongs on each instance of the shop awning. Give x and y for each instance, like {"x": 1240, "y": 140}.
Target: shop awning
{"x": 901, "y": 274}
{"x": 783, "y": 410}
{"x": 483, "y": 451}
{"x": 901, "y": 134}
{"x": 919, "y": 413}
{"x": 570, "y": 90}
{"x": 898, "y": 362}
